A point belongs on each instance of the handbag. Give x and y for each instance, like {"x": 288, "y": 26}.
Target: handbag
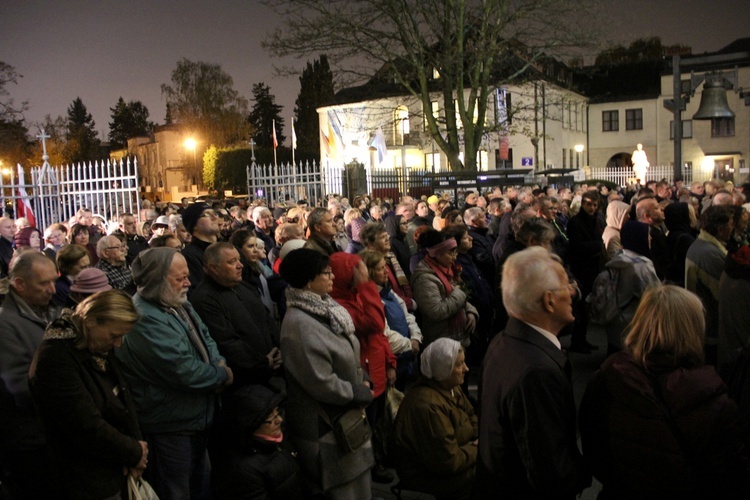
{"x": 351, "y": 429}
{"x": 139, "y": 489}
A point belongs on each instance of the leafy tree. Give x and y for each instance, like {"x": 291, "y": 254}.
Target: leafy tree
{"x": 128, "y": 120}
{"x": 265, "y": 111}
{"x": 82, "y": 142}
{"x": 471, "y": 45}
{"x": 201, "y": 97}
{"x": 316, "y": 89}
{"x": 9, "y": 110}
{"x": 15, "y": 145}
{"x": 168, "y": 116}
{"x": 225, "y": 168}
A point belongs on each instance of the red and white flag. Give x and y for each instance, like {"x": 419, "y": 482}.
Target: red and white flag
{"x": 273, "y": 135}
{"x": 24, "y": 202}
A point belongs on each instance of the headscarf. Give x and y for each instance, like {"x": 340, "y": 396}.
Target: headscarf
{"x": 439, "y": 359}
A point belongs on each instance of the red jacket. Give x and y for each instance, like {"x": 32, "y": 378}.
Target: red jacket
{"x": 366, "y": 309}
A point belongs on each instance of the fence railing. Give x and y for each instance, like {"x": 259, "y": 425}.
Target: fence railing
{"x": 109, "y": 188}
{"x": 286, "y": 182}
{"x": 623, "y": 176}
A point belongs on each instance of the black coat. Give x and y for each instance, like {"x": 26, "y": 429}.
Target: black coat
{"x": 586, "y": 251}
{"x": 527, "y": 428}
{"x": 241, "y": 326}
{"x": 91, "y": 432}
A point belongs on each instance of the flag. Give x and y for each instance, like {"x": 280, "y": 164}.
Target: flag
{"x": 378, "y": 142}
{"x": 273, "y": 135}
{"x": 294, "y": 136}
{"x": 24, "y": 203}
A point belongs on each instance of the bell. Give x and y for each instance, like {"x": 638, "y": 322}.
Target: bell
{"x": 713, "y": 101}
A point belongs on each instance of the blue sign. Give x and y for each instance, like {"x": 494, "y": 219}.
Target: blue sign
{"x": 527, "y": 162}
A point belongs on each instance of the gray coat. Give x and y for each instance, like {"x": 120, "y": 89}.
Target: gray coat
{"x": 322, "y": 367}
{"x": 20, "y": 336}
{"x": 437, "y": 307}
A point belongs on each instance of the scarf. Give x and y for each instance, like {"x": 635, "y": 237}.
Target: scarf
{"x": 397, "y": 270}
{"x": 448, "y": 276}
{"x": 324, "y": 307}
{"x": 65, "y": 328}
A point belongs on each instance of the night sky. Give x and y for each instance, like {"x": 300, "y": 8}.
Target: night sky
{"x": 100, "y": 50}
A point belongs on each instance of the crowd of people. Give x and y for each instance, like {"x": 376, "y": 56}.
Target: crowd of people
{"x": 256, "y": 352}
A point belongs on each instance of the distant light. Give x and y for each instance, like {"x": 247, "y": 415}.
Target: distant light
{"x": 191, "y": 143}
{"x": 578, "y": 148}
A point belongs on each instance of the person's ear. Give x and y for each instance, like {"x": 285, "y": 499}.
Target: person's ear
{"x": 548, "y": 301}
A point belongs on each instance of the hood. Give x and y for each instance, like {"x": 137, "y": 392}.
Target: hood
{"x": 677, "y": 217}
{"x": 634, "y": 237}
{"x": 250, "y": 405}
{"x": 342, "y": 265}
{"x": 617, "y": 211}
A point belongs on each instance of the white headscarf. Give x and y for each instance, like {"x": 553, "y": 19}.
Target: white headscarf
{"x": 439, "y": 359}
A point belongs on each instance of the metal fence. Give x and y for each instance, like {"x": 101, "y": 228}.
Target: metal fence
{"x": 108, "y": 188}
{"x": 622, "y": 176}
{"x": 287, "y": 182}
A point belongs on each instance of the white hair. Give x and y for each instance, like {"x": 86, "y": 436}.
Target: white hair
{"x": 526, "y": 276}
{"x": 258, "y": 213}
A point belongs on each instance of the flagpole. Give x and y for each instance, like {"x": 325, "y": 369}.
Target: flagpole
{"x": 275, "y": 143}
{"x": 294, "y": 141}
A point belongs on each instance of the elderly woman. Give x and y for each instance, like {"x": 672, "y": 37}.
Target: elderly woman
{"x": 435, "y": 434}
{"x": 87, "y": 410}
{"x": 324, "y": 379}
{"x": 437, "y": 286}
{"x": 656, "y": 421}
{"x": 28, "y": 238}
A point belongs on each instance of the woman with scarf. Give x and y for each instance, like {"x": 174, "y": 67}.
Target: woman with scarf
{"x": 324, "y": 379}
{"x": 397, "y": 227}
{"x": 435, "y": 433}
{"x": 437, "y": 287}
{"x": 84, "y": 402}
{"x": 353, "y": 289}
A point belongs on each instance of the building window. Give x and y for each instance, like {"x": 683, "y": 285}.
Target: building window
{"x": 401, "y": 125}
{"x": 722, "y": 127}
{"x": 610, "y": 121}
{"x": 459, "y": 123}
{"x": 687, "y": 129}
{"x": 576, "y": 123}
{"x": 634, "y": 119}
{"x": 565, "y": 158}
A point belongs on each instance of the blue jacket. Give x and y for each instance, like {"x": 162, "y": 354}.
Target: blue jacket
{"x": 173, "y": 388}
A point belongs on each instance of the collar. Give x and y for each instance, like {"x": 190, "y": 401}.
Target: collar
{"x": 547, "y": 335}
{"x": 703, "y": 235}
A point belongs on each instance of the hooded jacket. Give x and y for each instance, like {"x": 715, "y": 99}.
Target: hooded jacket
{"x": 617, "y": 213}
{"x": 364, "y": 306}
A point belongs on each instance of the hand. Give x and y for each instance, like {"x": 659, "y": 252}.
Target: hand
{"x": 144, "y": 455}
{"x": 471, "y": 323}
{"x": 230, "y": 376}
{"x": 274, "y": 358}
{"x": 390, "y": 374}
{"x": 415, "y": 347}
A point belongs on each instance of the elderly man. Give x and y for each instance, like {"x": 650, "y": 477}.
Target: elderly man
{"x": 264, "y": 226}
{"x": 54, "y": 235}
{"x": 112, "y": 251}
{"x": 7, "y": 231}
{"x": 245, "y": 332}
{"x": 322, "y": 230}
{"x": 136, "y": 242}
{"x": 26, "y": 312}
{"x": 704, "y": 264}
{"x": 202, "y": 222}
{"x": 527, "y": 431}
{"x": 175, "y": 373}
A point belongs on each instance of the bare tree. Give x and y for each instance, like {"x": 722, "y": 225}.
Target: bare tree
{"x": 460, "y": 49}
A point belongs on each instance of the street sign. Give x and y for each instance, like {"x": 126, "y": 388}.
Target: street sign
{"x": 527, "y": 161}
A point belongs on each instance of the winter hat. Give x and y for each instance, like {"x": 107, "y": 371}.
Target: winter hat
{"x": 251, "y": 405}
{"x": 90, "y": 280}
{"x": 278, "y": 212}
{"x": 192, "y": 213}
{"x": 162, "y": 220}
{"x": 289, "y": 246}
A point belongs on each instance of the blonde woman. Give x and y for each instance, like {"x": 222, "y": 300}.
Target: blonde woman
{"x": 656, "y": 421}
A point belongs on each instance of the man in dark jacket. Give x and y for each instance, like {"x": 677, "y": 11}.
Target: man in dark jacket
{"x": 244, "y": 331}
{"x": 26, "y": 312}
{"x": 527, "y": 429}
{"x": 202, "y": 223}
{"x": 586, "y": 256}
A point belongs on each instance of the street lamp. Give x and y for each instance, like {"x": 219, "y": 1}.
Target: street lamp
{"x": 191, "y": 144}
{"x": 579, "y": 149}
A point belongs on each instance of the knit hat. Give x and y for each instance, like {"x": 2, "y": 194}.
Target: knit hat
{"x": 251, "y": 405}
{"x": 432, "y": 199}
{"x": 149, "y": 270}
{"x": 192, "y": 213}
{"x": 90, "y": 280}
{"x": 439, "y": 358}
{"x": 300, "y": 267}
{"x": 278, "y": 212}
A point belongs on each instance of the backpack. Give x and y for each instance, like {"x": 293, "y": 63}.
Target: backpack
{"x": 601, "y": 303}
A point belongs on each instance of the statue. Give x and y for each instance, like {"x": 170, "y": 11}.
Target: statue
{"x": 640, "y": 163}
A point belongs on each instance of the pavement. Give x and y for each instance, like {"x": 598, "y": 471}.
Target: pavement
{"x": 584, "y": 367}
